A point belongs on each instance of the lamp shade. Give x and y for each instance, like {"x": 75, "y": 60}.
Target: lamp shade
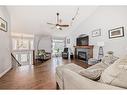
{"x": 100, "y": 43}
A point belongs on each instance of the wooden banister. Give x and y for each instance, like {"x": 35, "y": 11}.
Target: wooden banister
{"x": 15, "y": 60}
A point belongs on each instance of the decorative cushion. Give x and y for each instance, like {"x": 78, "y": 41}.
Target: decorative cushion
{"x": 116, "y": 73}
{"x": 41, "y": 52}
{"x": 91, "y": 74}
{"x": 94, "y": 72}
{"x": 109, "y": 59}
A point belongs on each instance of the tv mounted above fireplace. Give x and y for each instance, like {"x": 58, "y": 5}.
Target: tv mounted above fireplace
{"x": 82, "y": 41}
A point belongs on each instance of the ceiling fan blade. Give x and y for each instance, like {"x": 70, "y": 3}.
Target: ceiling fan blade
{"x": 53, "y": 27}
{"x": 64, "y": 25}
{"x": 51, "y": 23}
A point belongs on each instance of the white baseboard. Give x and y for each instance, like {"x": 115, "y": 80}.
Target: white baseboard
{"x": 5, "y": 72}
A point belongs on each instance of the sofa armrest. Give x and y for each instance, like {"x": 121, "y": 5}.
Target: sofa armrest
{"x": 73, "y": 80}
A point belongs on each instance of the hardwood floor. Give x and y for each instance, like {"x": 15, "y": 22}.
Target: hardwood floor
{"x": 41, "y": 76}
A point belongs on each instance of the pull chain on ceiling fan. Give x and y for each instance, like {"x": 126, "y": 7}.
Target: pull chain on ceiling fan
{"x": 58, "y": 24}
{"x": 76, "y": 14}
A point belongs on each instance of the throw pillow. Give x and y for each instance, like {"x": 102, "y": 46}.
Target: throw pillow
{"x": 109, "y": 59}
{"x": 116, "y": 73}
{"x": 94, "y": 72}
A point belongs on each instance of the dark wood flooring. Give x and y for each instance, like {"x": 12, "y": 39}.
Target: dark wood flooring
{"x": 41, "y": 76}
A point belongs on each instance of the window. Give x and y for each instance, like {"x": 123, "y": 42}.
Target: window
{"x": 57, "y": 46}
{"x": 22, "y": 44}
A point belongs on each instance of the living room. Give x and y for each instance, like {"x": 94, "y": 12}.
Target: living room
{"x": 46, "y": 42}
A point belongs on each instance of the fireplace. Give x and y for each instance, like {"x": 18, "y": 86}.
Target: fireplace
{"x": 82, "y": 55}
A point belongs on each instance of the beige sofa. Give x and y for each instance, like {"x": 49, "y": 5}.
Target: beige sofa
{"x": 67, "y": 77}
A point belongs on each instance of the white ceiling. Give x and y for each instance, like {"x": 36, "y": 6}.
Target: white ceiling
{"x": 33, "y": 19}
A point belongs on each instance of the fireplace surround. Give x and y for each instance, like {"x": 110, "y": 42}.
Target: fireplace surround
{"x": 83, "y": 50}
{"x": 88, "y": 52}
{"x": 82, "y": 55}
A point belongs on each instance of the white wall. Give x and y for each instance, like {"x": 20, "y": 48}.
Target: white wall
{"x": 44, "y": 42}
{"x": 5, "y": 47}
{"x": 105, "y": 18}
{"x": 71, "y": 44}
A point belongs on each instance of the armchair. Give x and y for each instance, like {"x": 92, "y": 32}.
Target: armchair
{"x": 65, "y": 53}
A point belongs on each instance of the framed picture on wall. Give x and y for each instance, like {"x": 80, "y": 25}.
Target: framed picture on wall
{"x": 3, "y": 25}
{"x": 96, "y": 33}
{"x": 117, "y": 32}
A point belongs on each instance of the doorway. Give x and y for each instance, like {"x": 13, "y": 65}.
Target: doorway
{"x": 57, "y": 47}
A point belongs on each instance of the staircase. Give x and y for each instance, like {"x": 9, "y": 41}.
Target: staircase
{"x": 15, "y": 62}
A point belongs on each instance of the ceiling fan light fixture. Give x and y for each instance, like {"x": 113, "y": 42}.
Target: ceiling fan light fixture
{"x": 57, "y": 26}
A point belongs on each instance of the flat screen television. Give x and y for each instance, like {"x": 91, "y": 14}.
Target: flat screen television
{"x": 82, "y": 41}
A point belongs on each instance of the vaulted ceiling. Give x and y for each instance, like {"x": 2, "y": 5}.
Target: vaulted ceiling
{"x": 33, "y": 19}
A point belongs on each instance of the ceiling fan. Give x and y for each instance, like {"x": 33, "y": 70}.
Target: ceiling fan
{"x": 58, "y": 24}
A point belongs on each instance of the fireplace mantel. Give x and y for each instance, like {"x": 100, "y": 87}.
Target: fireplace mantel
{"x": 86, "y": 47}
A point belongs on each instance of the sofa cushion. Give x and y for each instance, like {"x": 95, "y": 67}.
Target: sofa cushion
{"x": 94, "y": 72}
{"x": 71, "y": 66}
{"x": 116, "y": 73}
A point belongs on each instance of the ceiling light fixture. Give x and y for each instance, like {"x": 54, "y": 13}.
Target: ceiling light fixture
{"x": 58, "y": 24}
